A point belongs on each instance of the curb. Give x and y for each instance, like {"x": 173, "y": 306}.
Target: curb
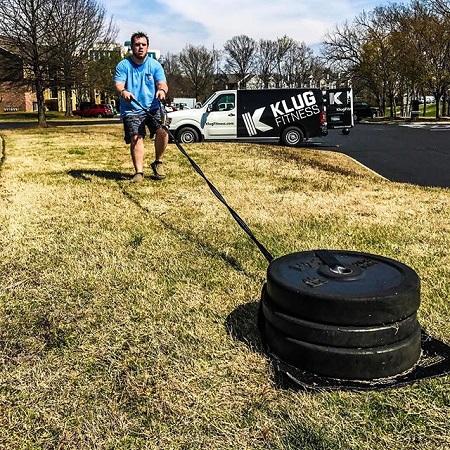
{"x": 405, "y": 122}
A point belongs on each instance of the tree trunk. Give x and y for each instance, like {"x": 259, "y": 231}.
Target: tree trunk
{"x": 392, "y": 105}
{"x": 437, "y": 96}
{"x": 42, "y": 120}
{"x": 68, "y": 98}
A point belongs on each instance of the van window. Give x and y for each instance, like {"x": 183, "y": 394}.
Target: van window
{"x": 224, "y": 102}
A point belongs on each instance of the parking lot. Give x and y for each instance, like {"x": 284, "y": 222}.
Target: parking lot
{"x": 408, "y": 153}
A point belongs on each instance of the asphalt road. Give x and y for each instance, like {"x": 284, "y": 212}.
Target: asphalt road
{"x": 415, "y": 153}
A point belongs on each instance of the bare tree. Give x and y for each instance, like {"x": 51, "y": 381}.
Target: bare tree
{"x": 198, "y": 64}
{"x": 265, "y": 61}
{"x": 396, "y": 51}
{"x": 363, "y": 51}
{"x": 240, "y": 58}
{"x": 283, "y": 46}
{"x": 427, "y": 33}
{"x": 51, "y": 38}
{"x": 381, "y": 63}
{"x": 80, "y": 26}
{"x": 178, "y": 87}
{"x": 441, "y": 6}
{"x": 298, "y": 65}
{"x": 27, "y": 26}
{"x": 342, "y": 46}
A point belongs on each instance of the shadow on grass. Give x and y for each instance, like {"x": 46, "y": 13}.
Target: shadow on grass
{"x": 242, "y": 325}
{"x": 2, "y": 152}
{"x": 87, "y": 175}
{"x": 231, "y": 261}
{"x": 246, "y": 324}
{"x": 185, "y": 235}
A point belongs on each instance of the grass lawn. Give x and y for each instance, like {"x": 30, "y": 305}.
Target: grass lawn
{"x": 430, "y": 112}
{"x": 128, "y": 312}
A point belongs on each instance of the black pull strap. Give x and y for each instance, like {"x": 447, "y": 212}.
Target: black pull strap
{"x": 234, "y": 214}
{"x": 329, "y": 259}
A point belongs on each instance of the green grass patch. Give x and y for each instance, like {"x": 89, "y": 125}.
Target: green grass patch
{"x": 128, "y": 312}
{"x": 430, "y": 111}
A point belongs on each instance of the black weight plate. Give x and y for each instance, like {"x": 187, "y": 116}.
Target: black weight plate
{"x": 372, "y": 289}
{"x": 337, "y": 335}
{"x": 345, "y": 363}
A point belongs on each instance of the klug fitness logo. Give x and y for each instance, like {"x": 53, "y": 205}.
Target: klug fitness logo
{"x": 286, "y": 111}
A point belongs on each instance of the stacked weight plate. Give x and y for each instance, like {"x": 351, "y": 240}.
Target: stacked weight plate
{"x": 340, "y": 314}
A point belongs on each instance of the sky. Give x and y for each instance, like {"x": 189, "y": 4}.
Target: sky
{"x": 173, "y": 24}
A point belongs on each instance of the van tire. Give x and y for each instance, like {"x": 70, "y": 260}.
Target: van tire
{"x": 188, "y": 135}
{"x": 292, "y": 136}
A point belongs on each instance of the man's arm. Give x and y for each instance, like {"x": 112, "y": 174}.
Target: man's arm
{"x": 161, "y": 90}
{"x": 119, "y": 87}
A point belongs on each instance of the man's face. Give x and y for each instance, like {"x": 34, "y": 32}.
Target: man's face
{"x": 140, "y": 48}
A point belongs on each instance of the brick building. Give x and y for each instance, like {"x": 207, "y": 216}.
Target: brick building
{"x": 14, "y": 94}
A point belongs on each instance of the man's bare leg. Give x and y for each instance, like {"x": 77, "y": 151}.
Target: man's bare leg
{"x": 137, "y": 153}
{"x": 161, "y": 141}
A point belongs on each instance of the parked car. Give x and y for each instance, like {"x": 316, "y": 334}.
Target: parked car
{"x": 169, "y": 107}
{"x": 427, "y": 99}
{"x": 114, "y": 110}
{"x": 99, "y": 111}
{"x": 363, "y": 110}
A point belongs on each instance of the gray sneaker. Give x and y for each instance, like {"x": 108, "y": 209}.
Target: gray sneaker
{"x": 158, "y": 170}
{"x": 138, "y": 177}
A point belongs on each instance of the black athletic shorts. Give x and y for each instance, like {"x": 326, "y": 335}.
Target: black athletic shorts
{"x": 135, "y": 124}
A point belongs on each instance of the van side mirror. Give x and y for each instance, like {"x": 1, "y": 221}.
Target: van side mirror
{"x": 209, "y": 108}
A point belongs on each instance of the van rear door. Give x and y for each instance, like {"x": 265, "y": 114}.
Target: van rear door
{"x": 339, "y": 104}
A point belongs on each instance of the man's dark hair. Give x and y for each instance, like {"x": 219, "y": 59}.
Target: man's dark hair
{"x": 139, "y": 34}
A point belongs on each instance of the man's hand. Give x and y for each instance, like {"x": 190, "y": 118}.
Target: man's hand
{"x": 161, "y": 94}
{"x": 127, "y": 96}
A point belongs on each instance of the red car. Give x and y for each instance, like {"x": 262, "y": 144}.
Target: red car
{"x": 95, "y": 111}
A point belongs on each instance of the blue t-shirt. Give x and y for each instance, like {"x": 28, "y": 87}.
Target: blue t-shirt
{"x": 141, "y": 81}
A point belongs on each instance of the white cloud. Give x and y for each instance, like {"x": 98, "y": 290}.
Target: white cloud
{"x": 172, "y": 25}
{"x": 303, "y": 21}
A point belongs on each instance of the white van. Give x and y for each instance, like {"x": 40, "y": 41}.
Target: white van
{"x": 286, "y": 115}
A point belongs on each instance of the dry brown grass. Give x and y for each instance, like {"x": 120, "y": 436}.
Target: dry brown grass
{"x": 127, "y": 312}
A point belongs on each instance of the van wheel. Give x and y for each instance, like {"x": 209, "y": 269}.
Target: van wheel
{"x": 187, "y": 135}
{"x": 292, "y": 136}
